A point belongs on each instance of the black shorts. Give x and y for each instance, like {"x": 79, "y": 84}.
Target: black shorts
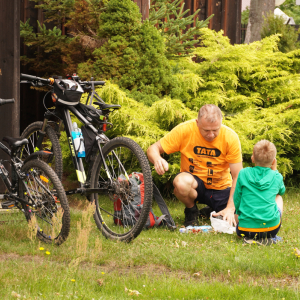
{"x": 215, "y": 199}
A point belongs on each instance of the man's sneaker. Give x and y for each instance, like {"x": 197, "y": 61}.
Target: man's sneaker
{"x": 191, "y": 216}
{"x": 205, "y": 212}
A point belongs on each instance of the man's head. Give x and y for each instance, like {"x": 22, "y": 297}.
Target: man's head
{"x": 209, "y": 121}
{"x": 264, "y": 153}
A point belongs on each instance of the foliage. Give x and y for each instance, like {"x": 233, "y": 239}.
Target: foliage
{"x": 290, "y": 8}
{"x": 176, "y": 28}
{"x": 256, "y": 85}
{"x": 288, "y": 35}
{"x": 54, "y": 53}
{"x": 245, "y": 15}
{"x": 131, "y": 46}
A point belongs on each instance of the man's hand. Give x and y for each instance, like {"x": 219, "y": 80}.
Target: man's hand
{"x": 161, "y": 166}
{"x": 228, "y": 215}
{"x": 154, "y": 154}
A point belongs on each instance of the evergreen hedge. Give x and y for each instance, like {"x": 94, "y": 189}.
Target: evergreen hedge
{"x": 256, "y": 85}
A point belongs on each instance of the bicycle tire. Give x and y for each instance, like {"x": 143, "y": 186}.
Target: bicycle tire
{"x": 55, "y": 159}
{"x": 43, "y": 189}
{"x": 133, "y": 160}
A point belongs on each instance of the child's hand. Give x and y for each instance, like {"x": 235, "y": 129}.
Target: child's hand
{"x": 274, "y": 165}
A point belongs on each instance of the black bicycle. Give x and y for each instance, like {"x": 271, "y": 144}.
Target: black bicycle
{"x": 35, "y": 189}
{"x": 109, "y": 161}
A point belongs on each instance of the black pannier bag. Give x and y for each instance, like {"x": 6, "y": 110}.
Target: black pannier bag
{"x": 89, "y": 138}
{"x": 66, "y": 92}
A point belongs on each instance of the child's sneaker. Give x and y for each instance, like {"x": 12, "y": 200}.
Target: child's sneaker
{"x": 265, "y": 242}
{"x": 277, "y": 239}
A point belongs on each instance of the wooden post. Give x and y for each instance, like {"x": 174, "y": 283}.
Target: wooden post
{"x": 10, "y": 67}
{"x": 144, "y": 6}
{"x": 9, "y": 71}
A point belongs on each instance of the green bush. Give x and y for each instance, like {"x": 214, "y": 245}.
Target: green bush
{"x": 134, "y": 54}
{"x": 288, "y": 35}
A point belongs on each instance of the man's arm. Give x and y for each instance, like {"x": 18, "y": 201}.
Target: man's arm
{"x": 154, "y": 155}
{"x": 228, "y": 212}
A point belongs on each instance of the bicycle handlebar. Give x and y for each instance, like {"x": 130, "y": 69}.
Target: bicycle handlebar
{"x": 35, "y": 78}
{"x": 38, "y": 80}
{"x": 91, "y": 82}
{"x": 6, "y": 101}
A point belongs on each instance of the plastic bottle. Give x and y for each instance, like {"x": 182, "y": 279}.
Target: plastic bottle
{"x": 78, "y": 140}
{"x": 195, "y": 229}
{"x": 81, "y": 151}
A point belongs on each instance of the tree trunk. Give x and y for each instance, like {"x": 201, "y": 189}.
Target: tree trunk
{"x": 258, "y": 10}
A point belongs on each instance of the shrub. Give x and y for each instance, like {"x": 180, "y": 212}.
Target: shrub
{"x": 134, "y": 54}
{"x": 288, "y": 35}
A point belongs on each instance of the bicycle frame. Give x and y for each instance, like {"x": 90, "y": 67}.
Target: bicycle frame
{"x": 63, "y": 114}
{"x": 4, "y": 174}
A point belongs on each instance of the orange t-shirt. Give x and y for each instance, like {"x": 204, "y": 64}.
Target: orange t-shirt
{"x": 207, "y": 160}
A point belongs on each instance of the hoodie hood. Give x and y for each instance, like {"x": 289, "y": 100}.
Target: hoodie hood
{"x": 260, "y": 177}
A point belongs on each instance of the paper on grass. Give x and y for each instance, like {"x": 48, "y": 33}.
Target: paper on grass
{"x": 221, "y": 225}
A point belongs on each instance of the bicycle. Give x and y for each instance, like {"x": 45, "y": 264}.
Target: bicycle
{"x": 35, "y": 189}
{"x": 109, "y": 160}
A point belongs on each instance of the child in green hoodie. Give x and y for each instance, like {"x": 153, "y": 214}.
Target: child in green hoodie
{"x": 257, "y": 197}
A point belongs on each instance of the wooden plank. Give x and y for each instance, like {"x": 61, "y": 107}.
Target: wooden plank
{"x": 9, "y": 70}
{"x": 232, "y": 20}
{"x": 225, "y": 12}
{"x": 145, "y": 4}
{"x": 139, "y": 3}
{"x": 209, "y": 12}
{"x": 216, "y": 21}
{"x": 238, "y": 22}
{"x": 201, "y": 4}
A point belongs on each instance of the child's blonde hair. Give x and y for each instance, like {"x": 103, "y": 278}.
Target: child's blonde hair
{"x": 264, "y": 153}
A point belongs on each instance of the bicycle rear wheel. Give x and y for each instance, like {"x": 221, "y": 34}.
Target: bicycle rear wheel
{"x": 49, "y": 210}
{"x": 122, "y": 156}
{"x": 50, "y": 143}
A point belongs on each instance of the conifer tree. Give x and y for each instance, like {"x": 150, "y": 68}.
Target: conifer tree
{"x": 178, "y": 29}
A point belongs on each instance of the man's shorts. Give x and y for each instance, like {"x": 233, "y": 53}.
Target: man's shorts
{"x": 259, "y": 235}
{"x": 215, "y": 199}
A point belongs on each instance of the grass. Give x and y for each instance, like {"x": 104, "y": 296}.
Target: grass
{"x": 159, "y": 264}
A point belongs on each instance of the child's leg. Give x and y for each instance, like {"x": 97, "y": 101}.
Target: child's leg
{"x": 279, "y": 202}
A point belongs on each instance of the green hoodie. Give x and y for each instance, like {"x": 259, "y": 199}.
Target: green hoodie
{"x": 254, "y": 197}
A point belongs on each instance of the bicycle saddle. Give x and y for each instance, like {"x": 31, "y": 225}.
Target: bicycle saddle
{"x": 105, "y": 106}
{"x": 15, "y": 142}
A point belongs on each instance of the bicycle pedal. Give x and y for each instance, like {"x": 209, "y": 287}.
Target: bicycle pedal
{"x": 8, "y": 204}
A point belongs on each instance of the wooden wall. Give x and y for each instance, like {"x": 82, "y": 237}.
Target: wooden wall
{"x": 9, "y": 66}
{"x": 9, "y": 72}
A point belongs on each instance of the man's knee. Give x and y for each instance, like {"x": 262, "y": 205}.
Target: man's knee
{"x": 184, "y": 182}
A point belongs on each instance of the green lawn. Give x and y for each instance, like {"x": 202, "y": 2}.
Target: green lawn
{"x": 159, "y": 264}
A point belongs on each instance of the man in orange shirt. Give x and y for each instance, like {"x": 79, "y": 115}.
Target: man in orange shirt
{"x": 210, "y": 151}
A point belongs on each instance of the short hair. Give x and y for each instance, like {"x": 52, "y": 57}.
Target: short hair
{"x": 264, "y": 153}
{"x": 210, "y": 112}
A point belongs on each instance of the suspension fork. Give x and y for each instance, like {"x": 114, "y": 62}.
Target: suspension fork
{"x": 105, "y": 165}
{"x": 42, "y": 132}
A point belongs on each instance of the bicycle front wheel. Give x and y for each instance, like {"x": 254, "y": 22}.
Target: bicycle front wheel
{"x": 122, "y": 157}
{"x": 48, "y": 211}
{"x": 50, "y": 143}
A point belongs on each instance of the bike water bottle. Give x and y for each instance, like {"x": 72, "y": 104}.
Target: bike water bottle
{"x": 81, "y": 151}
{"x": 76, "y": 137}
